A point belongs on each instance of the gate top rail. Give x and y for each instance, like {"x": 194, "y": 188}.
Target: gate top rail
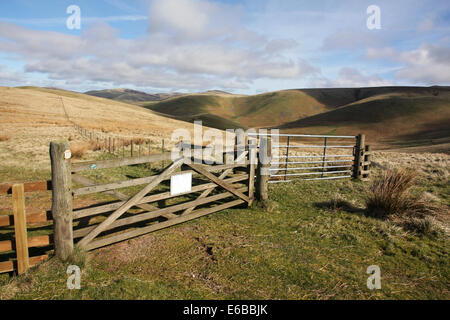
{"x": 300, "y": 135}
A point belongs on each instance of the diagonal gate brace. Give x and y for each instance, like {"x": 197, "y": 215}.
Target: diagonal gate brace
{"x": 130, "y": 203}
{"x": 208, "y": 191}
{"x": 218, "y": 181}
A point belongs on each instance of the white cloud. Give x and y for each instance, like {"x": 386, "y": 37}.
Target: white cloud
{"x": 349, "y": 78}
{"x": 428, "y": 63}
{"x": 190, "y": 45}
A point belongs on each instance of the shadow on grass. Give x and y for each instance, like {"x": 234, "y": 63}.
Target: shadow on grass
{"x": 339, "y": 204}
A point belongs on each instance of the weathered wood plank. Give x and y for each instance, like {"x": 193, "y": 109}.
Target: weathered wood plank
{"x": 115, "y": 193}
{"x": 36, "y": 241}
{"x": 103, "y": 164}
{"x": 112, "y": 186}
{"x": 92, "y": 188}
{"x": 141, "y": 231}
{"x": 8, "y": 266}
{"x": 5, "y": 221}
{"x": 150, "y": 215}
{"x": 32, "y": 218}
{"x": 32, "y": 186}
{"x": 219, "y": 182}
{"x": 208, "y": 191}
{"x": 20, "y": 228}
{"x": 130, "y": 203}
{"x": 81, "y": 213}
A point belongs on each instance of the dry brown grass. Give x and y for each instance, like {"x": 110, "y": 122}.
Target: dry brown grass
{"x": 390, "y": 197}
{"x": 4, "y": 137}
{"x": 95, "y": 146}
{"x": 34, "y": 117}
{"x": 79, "y": 149}
{"x": 139, "y": 141}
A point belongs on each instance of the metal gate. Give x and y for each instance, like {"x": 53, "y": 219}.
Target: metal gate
{"x": 317, "y": 157}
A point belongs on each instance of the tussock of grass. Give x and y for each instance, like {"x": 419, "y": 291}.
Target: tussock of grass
{"x": 79, "y": 257}
{"x": 78, "y": 149}
{"x": 96, "y": 146}
{"x": 390, "y": 197}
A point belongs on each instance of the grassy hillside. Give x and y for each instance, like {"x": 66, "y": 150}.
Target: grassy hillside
{"x": 124, "y": 95}
{"x": 131, "y": 96}
{"x": 386, "y": 118}
{"x": 263, "y": 110}
{"x": 390, "y": 116}
{"x": 303, "y": 246}
{"x": 31, "y": 117}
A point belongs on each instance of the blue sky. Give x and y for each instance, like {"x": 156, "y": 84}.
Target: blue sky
{"x": 237, "y": 46}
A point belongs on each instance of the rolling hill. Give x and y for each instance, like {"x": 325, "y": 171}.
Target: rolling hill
{"x": 31, "y": 117}
{"x": 391, "y": 116}
{"x": 131, "y": 96}
{"x": 398, "y": 118}
{"x": 263, "y": 110}
{"x": 124, "y": 95}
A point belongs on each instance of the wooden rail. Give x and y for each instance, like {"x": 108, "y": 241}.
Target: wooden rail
{"x": 19, "y": 219}
{"x": 44, "y": 185}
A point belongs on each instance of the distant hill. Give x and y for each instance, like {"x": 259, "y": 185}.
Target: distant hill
{"x": 419, "y": 115}
{"x": 268, "y": 109}
{"x": 124, "y": 95}
{"x": 389, "y": 116}
{"x": 131, "y": 96}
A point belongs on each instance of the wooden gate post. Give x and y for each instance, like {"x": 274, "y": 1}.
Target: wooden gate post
{"x": 263, "y": 173}
{"x": 240, "y": 142}
{"x": 366, "y": 162}
{"x": 62, "y": 198}
{"x": 252, "y": 157}
{"x": 20, "y": 228}
{"x": 359, "y": 156}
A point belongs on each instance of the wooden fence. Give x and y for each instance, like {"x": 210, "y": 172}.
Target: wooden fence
{"x": 121, "y": 146}
{"x": 16, "y": 245}
{"x": 124, "y": 209}
{"x": 132, "y": 213}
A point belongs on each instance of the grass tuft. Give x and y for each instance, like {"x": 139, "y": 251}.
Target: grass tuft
{"x": 79, "y": 257}
{"x": 78, "y": 149}
{"x": 390, "y": 197}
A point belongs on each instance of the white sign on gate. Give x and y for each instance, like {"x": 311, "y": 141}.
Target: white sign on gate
{"x": 180, "y": 183}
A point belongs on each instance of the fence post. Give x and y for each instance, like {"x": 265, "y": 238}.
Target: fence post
{"x": 252, "y": 159}
{"x": 162, "y": 151}
{"x": 132, "y": 147}
{"x": 62, "y": 198}
{"x": 359, "y": 156}
{"x": 263, "y": 173}
{"x": 240, "y": 142}
{"x": 20, "y": 228}
{"x": 366, "y": 164}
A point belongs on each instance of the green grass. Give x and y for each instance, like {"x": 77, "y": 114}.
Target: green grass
{"x": 302, "y": 248}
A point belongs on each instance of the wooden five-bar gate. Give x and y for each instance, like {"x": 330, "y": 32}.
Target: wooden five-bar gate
{"x": 147, "y": 199}
{"x": 132, "y": 210}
